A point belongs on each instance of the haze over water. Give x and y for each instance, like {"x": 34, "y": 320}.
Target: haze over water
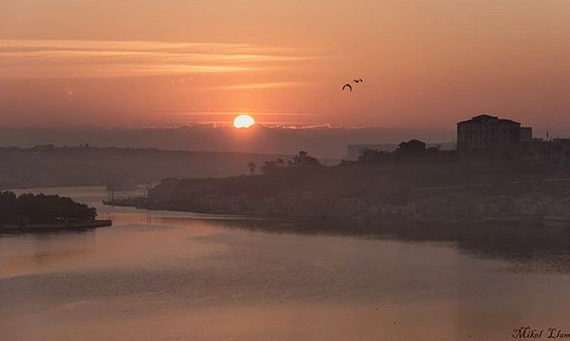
{"x": 169, "y": 276}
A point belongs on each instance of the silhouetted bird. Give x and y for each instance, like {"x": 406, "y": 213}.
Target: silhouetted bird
{"x": 347, "y": 86}
{"x": 359, "y": 80}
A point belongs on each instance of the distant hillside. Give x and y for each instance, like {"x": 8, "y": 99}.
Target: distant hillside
{"x": 321, "y": 141}
{"x": 44, "y": 166}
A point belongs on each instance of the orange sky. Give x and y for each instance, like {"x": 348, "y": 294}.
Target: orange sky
{"x": 170, "y": 62}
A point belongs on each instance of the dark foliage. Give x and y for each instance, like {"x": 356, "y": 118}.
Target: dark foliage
{"x": 301, "y": 160}
{"x": 413, "y": 151}
{"x": 41, "y": 208}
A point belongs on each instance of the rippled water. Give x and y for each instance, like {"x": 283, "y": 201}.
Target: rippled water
{"x": 178, "y": 276}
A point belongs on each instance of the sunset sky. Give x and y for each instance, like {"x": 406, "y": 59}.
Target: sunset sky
{"x": 426, "y": 63}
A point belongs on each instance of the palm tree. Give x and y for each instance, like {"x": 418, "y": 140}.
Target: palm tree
{"x": 280, "y": 163}
{"x": 252, "y": 167}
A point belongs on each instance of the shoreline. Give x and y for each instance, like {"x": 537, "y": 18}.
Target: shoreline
{"x": 524, "y": 233}
{"x": 56, "y": 227}
{"x": 523, "y": 222}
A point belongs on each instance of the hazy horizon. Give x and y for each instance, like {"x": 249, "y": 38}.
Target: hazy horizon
{"x": 321, "y": 141}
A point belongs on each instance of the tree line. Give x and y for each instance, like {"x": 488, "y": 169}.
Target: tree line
{"x": 300, "y": 160}
{"x": 42, "y": 209}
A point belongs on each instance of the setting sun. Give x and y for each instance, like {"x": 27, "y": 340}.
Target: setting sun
{"x": 243, "y": 121}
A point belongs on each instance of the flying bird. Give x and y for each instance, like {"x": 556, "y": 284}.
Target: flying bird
{"x": 347, "y": 85}
{"x": 359, "y": 80}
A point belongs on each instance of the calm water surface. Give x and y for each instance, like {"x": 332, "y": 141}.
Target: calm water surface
{"x": 178, "y": 276}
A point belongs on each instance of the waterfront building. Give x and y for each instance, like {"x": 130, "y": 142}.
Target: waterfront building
{"x": 490, "y": 137}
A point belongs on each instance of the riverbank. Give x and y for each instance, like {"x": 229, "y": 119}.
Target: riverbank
{"x": 396, "y": 215}
{"x": 489, "y": 234}
{"x": 76, "y": 226}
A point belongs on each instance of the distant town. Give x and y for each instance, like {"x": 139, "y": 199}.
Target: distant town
{"x": 498, "y": 173}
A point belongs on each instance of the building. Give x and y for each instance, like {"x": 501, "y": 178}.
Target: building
{"x": 354, "y": 151}
{"x": 553, "y": 151}
{"x": 490, "y": 137}
{"x": 558, "y": 151}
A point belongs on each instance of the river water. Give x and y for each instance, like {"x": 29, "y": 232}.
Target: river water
{"x": 179, "y": 276}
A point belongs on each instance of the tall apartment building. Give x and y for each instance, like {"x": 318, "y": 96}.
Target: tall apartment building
{"x": 490, "y": 136}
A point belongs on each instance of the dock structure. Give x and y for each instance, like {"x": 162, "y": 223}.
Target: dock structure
{"x": 64, "y": 226}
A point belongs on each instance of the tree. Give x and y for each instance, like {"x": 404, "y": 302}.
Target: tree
{"x": 280, "y": 163}
{"x": 42, "y": 209}
{"x": 412, "y": 147}
{"x": 269, "y": 167}
{"x": 302, "y": 159}
{"x": 252, "y": 167}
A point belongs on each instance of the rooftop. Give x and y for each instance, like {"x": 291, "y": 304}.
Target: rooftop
{"x": 489, "y": 119}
